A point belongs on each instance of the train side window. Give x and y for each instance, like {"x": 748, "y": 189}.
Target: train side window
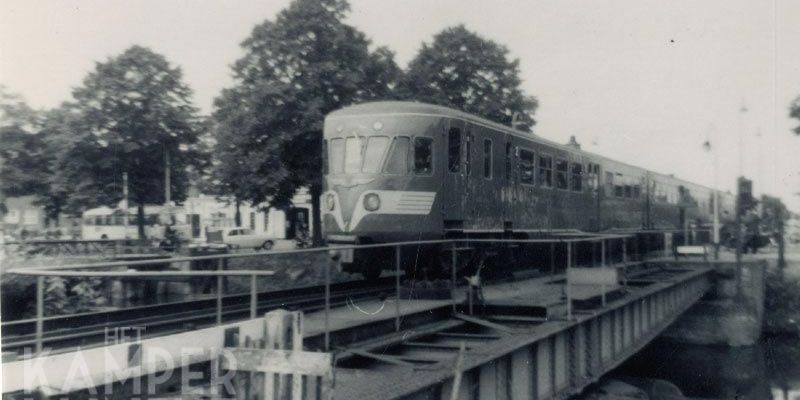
{"x": 545, "y": 171}
{"x": 397, "y": 163}
{"x": 337, "y": 156}
{"x": 637, "y": 191}
{"x": 576, "y": 177}
{"x": 487, "y": 158}
{"x": 468, "y": 155}
{"x": 562, "y": 169}
{"x": 609, "y": 182}
{"x": 423, "y": 155}
{"x": 628, "y": 191}
{"x": 508, "y": 161}
{"x": 526, "y": 167}
{"x": 454, "y": 150}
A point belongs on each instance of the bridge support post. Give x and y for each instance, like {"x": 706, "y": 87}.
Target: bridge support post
{"x": 39, "y": 313}
{"x": 253, "y": 297}
{"x": 453, "y": 261}
{"x": 568, "y": 284}
{"x": 397, "y": 288}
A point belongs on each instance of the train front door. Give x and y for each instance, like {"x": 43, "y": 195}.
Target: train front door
{"x": 455, "y": 180}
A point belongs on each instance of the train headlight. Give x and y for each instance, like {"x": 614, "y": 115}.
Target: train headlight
{"x": 372, "y": 202}
{"x": 330, "y": 202}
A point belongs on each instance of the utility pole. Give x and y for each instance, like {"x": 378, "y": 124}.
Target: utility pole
{"x": 714, "y": 199}
{"x": 167, "y": 187}
{"x": 741, "y": 138}
{"x": 125, "y": 201}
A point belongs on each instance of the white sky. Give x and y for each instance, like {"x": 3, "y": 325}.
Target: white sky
{"x": 642, "y": 81}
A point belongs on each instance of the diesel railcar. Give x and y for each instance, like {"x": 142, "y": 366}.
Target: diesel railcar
{"x": 402, "y": 171}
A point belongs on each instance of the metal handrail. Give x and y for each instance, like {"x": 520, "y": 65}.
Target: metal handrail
{"x": 73, "y": 270}
{"x": 26, "y": 270}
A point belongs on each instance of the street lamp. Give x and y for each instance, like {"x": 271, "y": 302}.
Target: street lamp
{"x": 714, "y": 199}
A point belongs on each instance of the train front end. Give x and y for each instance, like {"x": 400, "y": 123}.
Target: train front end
{"x": 380, "y": 181}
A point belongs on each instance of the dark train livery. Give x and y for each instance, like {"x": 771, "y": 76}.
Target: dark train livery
{"x": 398, "y": 171}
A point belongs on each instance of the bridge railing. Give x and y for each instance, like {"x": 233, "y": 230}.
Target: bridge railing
{"x": 75, "y": 247}
{"x": 106, "y": 270}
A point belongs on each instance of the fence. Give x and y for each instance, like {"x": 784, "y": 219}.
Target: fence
{"x": 453, "y": 245}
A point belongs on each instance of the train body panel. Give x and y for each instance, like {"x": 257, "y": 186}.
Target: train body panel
{"x": 409, "y": 171}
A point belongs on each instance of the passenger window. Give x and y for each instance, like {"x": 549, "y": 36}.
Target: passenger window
{"x": 628, "y": 191}
{"x": 468, "y": 155}
{"x": 337, "y": 156}
{"x": 487, "y": 158}
{"x": 508, "y": 161}
{"x": 373, "y": 155}
{"x": 526, "y": 167}
{"x": 637, "y": 191}
{"x": 423, "y": 156}
{"x": 562, "y": 169}
{"x": 454, "y": 150}
{"x": 397, "y": 164}
{"x": 576, "y": 178}
{"x": 545, "y": 171}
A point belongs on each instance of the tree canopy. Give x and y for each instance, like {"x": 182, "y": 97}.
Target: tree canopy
{"x": 131, "y": 114}
{"x": 23, "y": 150}
{"x": 296, "y": 69}
{"x": 460, "y": 69}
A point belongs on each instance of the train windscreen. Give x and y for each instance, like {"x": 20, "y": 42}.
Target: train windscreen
{"x": 357, "y": 154}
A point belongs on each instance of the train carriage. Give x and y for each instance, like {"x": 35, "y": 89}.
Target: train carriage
{"x": 403, "y": 171}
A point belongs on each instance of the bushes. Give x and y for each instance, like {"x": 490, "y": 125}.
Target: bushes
{"x": 62, "y": 295}
{"x": 782, "y": 304}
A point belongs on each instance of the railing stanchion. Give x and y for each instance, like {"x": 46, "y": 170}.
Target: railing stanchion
{"x": 39, "y": 313}
{"x": 453, "y": 262}
{"x": 253, "y": 297}
{"x": 603, "y": 252}
{"x": 219, "y": 293}
{"x": 552, "y": 259}
{"x": 624, "y": 261}
{"x": 337, "y": 260}
{"x": 397, "y": 288}
{"x": 569, "y": 288}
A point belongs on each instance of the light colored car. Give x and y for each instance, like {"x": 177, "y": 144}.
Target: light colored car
{"x": 237, "y": 238}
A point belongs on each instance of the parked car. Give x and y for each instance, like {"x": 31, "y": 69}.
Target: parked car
{"x": 237, "y": 238}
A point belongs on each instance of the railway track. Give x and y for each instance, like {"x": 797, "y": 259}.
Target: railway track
{"x": 91, "y": 329}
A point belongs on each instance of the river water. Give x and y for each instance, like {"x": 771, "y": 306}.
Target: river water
{"x": 769, "y": 370}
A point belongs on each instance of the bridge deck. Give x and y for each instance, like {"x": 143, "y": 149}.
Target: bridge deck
{"x": 521, "y": 342}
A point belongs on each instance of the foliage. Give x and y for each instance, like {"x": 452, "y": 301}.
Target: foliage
{"x": 130, "y": 113}
{"x": 296, "y": 69}
{"x": 782, "y": 303}
{"x": 23, "y": 148}
{"x": 463, "y": 70}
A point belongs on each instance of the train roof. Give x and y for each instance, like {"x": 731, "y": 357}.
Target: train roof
{"x": 418, "y": 108}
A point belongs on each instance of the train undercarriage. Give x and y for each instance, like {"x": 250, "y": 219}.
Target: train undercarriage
{"x": 501, "y": 255}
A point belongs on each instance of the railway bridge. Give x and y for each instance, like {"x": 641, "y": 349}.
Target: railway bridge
{"x": 542, "y": 336}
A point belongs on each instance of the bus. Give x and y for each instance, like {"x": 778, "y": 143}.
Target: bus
{"x": 107, "y": 223}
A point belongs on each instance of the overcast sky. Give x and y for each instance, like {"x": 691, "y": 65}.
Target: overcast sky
{"x": 642, "y": 81}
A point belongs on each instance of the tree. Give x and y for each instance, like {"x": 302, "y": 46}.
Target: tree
{"x": 295, "y": 70}
{"x": 22, "y": 147}
{"x": 462, "y": 70}
{"x": 26, "y": 155}
{"x": 132, "y": 114}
